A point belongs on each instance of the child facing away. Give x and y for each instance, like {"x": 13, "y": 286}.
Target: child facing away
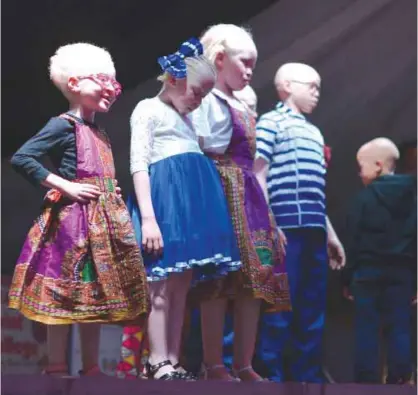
{"x": 178, "y": 208}
{"x": 382, "y": 262}
{"x": 80, "y": 262}
{"x": 291, "y": 169}
{"x": 229, "y": 138}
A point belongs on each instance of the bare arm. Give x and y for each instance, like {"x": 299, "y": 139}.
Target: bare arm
{"x": 261, "y": 168}
{"x": 142, "y": 129}
{"x": 335, "y": 248}
{"x": 143, "y": 195}
{"x": 332, "y": 235}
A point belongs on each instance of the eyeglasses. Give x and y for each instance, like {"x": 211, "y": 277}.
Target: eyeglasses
{"x": 312, "y": 85}
{"x": 104, "y": 80}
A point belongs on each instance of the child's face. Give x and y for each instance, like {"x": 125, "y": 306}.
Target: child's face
{"x": 369, "y": 168}
{"x": 236, "y": 66}
{"x": 305, "y": 94}
{"x": 188, "y": 93}
{"x": 96, "y": 92}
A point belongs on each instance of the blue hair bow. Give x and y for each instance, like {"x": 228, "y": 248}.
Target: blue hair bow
{"x": 175, "y": 64}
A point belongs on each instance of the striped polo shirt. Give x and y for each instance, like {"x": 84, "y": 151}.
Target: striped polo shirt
{"x": 294, "y": 149}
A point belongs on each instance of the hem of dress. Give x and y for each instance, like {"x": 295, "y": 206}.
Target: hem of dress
{"x": 113, "y": 317}
{"x": 218, "y": 260}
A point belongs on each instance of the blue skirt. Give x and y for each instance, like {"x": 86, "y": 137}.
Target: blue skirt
{"x": 191, "y": 210}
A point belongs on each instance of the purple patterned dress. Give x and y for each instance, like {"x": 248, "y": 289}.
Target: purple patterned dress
{"x": 81, "y": 262}
{"x": 263, "y": 274}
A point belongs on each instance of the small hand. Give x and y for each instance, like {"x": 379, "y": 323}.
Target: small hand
{"x": 347, "y": 294}
{"x": 118, "y": 190}
{"x": 336, "y": 254}
{"x": 414, "y": 300}
{"x": 82, "y": 193}
{"x": 152, "y": 240}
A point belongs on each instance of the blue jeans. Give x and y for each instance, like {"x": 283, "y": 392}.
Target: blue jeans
{"x": 302, "y": 328}
{"x": 382, "y": 295}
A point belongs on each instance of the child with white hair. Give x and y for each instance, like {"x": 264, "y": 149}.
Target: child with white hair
{"x": 178, "y": 207}
{"x": 80, "y": 262}
{"x": 228, "y": 131}
{"x": 291, "y": 167}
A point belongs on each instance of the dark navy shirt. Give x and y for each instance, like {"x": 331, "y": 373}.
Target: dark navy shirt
{"x": 56, "y": 140}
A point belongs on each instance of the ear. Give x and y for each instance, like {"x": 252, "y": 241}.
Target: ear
{"x": 219, "y": 60}
{"x": 72, "y": 85}
{"x": 287, "y": 86}
{"x": 380, "y": 165}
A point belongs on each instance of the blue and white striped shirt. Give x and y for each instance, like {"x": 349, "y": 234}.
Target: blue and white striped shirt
{"x": 294, "y": 149}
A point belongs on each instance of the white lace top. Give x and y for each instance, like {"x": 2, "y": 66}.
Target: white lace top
{"x": 213, "y": 121}
{"x": 158, "y": 132}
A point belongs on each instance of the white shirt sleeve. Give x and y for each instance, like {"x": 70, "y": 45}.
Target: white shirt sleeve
{"x": 143, "y": 123}
{"x": 200, "y": 120}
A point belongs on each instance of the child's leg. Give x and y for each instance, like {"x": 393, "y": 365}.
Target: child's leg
{"x": 366, "y": 361}
{"x": 179, "y": 285}
{"x": 213, "y": 316}
{"x": 396, "y": 306}
{"x": 246, "y": 316}
{"x": 57, "y": 344}
{"x": 90, "y": 344}
{"x": 228, "y": 343}
{"x": 310, "y": 305}
{"x": 158, "y": 327}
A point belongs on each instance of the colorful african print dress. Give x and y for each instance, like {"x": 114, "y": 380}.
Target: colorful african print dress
{"x": 263, "y": 274}
{"x": 81, "y": 262}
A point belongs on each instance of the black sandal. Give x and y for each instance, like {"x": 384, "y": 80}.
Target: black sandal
{"x": 152, "y": 369}
{"x": 189, "y": 376}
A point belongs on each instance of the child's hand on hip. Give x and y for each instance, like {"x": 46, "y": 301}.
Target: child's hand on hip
{"x": 82, "y": 193}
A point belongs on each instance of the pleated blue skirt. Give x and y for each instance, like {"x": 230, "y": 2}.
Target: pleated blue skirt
{"x": 192, "y": 213}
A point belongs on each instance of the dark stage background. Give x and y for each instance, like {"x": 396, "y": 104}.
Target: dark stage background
{"x": 365, "y": 52}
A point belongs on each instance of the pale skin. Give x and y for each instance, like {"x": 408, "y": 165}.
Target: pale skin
{"x": 375, "y": 158}
{"x": 235, "y": 68}
{"x": 248, "y": 96}
{"x": 86, "y": 98}
{"x": 298, "y": 86}
{"x": 168, "y": 297}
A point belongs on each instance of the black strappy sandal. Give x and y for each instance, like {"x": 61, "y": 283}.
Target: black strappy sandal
{"x": 188, "y": 376}
{"x": 152, "y": 369}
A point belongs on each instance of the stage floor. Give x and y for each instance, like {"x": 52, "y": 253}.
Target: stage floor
{"x": 43, "y": 385}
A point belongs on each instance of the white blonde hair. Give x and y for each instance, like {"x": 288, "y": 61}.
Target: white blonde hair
{"x": 78, "y": 60}
{"x": 197, "y": 67}
{"x": 223, "y": 38}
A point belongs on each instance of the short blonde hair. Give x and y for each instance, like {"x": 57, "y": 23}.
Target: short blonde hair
{"x": 77, "y": 60}
{"x": 223, "y": 37}
{"x": 198, "y": 66}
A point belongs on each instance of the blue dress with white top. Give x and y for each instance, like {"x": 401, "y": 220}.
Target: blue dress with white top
{"x": 187, "y": 196}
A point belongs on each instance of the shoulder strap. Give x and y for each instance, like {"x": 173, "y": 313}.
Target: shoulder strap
{"x": 68, "y": 117}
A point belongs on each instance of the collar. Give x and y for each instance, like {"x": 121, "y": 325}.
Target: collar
{"x": 283, "y": 109}
{"x": 82, "y": 121}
